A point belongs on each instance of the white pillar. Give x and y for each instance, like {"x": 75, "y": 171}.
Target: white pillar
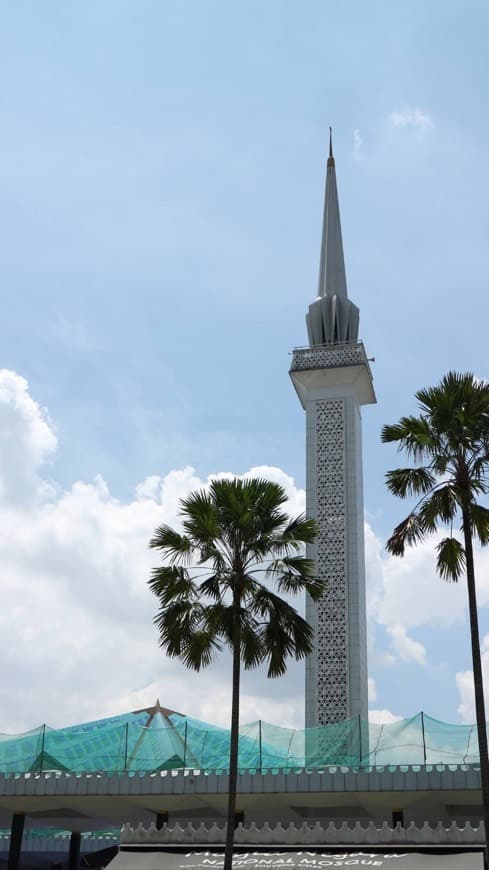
{"x": 333, "y": 382}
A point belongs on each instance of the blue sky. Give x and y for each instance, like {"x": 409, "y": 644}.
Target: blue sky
{"x": 161, "y": 182}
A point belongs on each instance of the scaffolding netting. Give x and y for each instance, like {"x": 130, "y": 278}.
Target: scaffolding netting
{"x": 148, "y": 743}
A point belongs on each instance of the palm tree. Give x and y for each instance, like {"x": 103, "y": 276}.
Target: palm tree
{"x": 449, "y": 441}
{"x": 212, "y": 593}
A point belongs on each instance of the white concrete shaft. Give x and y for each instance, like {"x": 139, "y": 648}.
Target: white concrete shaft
{"x": 336, "y": 672}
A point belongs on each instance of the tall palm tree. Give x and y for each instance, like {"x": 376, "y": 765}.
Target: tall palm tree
{"x": 449, "y": 441}
{"x": 214, "y": 589}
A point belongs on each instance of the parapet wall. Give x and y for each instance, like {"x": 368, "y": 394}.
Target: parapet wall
{"x": 306, "y": 835}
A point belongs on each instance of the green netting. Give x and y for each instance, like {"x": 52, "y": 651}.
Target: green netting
{"x": 137, "y": 742}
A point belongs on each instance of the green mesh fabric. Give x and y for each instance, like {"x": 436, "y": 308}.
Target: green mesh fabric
{"x": 138, "y": 742}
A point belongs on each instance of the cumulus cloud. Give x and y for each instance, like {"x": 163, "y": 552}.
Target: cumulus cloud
{"x": 379, "y": 717}
{"x": 76, "y": 633}
{"x": 395, "y": 589}
{"x": 286, "y": 714}
{"x": 397, "y": 586}
{"x": 411, "y": 117}
{"x": 27, "y": 439}
{"x": 383, "y": 717}
{"x": 409, "y": 650}
{"x": 465, "y": 684}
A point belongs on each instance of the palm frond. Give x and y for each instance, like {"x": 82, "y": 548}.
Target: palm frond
{"x": 293, "y": 538}
{"x": 315, "y": 587}
{"x": 300, "y": 530}
{"x": 176, "y": 622}
{"x": 249, "y": 504}
{"x": 296, "y": 574}
{"x": 440, "y": 507}
{"x": 441, "y": 461}
{"x": 479, "y": 521}
{"x": 476, "y": 487}
{"x": 410, "y": 531}
{"x": 185, "y": 634}
{"x": 450, "y": 561}
{"x": 212, "y": 553}
{"x": 303, "y": 637}
{"x": 172, "y": 582}
{"x": 200, "y": 520}
{"x": 279, "y": 645}
{"x": 286, "y": 634}
{"x": 172, "y": 544}
{"x": 253, "y": 650}
{"x": 479, "y": 465}
{"x": 199, "y": 650}
{"x": 300, "y": 566}
{"x": 412, "y": 434}
{"x": 249, "y": 584}
{"x": 410, "y": 481}
{"x": 218, "y": 620}
{"x": 214, "y": 587}
{"x": 265, "y": 603}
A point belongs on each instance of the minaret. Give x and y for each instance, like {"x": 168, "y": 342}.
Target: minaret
{"x": 333, "y": 380}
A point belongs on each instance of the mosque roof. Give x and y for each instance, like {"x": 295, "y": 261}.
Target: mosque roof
{"x": 157, "y": 738}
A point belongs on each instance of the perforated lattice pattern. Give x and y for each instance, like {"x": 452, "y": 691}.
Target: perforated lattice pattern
{"x": 331, "y": 357}
{"x": 332, "y": 609}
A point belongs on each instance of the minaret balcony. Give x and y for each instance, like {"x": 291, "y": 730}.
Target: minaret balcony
{"x": 334, "y": 366}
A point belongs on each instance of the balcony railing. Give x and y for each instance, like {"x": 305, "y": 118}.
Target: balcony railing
{"x": 329, "y": 356}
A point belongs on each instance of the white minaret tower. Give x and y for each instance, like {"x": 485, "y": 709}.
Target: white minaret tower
{"x": 333, "y": 380}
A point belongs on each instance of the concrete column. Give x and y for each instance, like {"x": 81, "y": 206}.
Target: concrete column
{"x": 15, "y": 847}
{"x": 74, "y": 853}
{"x": 333, "y": 382}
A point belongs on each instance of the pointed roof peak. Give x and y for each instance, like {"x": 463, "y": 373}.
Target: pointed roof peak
{"x": 332, "y": 277}
{"x": 330, "y": 158}
{"x": 332, "y": 317}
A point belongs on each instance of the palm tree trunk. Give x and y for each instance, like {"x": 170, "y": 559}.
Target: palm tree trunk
{"x": 234, "y": 745}
{"x": 480, "y": 711}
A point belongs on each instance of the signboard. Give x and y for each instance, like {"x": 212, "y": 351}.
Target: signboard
{"x": 148, "y": 859}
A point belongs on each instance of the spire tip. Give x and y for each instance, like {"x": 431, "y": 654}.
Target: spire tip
{"x": 330, "y": 158}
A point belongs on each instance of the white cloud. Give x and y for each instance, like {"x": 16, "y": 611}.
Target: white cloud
{"x": 396, "y": 586}
{"x": 383, "y": 717}
{"x": 406, "y": 593}
{"x": 372, "y": 690}
{"x": 465, "y": 684}
{"x": 411, "y": 117}
{"x": 379, "y": 717}
{"x": 407, "y": 649}
{"x": 27, "y": 439}
{"x": 357, "y": 144}
{"x": 286, "y": 714}
{"x": 76, "y": 633}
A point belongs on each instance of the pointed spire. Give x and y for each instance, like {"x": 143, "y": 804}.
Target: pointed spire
{"x": 332, "y": 318}
{"x": 332, "y": 275}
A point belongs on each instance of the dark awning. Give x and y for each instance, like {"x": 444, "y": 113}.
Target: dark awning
{"x": 141, "y": 858}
